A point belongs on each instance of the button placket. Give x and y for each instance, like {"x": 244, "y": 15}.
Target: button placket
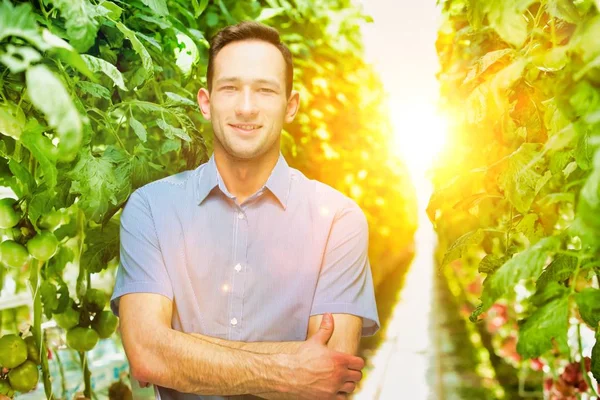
{"x": 237, "y": 277}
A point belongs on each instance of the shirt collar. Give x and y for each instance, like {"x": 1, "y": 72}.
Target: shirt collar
{"x": 278, "y": 182}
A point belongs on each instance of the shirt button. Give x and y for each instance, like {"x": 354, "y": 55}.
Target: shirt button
{"x": 241, "y": 215}
{"x": 238, "y": 268}
{"x": 233, "y": 321}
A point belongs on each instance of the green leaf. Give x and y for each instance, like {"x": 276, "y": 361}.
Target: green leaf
{"x": 547, "y": 293}
{"x": 545, "y": 324}
{"x": 268, "y": 13}
{"x": 462, "y": 245}
{"x": 64, "y": 254}
{"x": 66, "y": 53}
{"x": 18, "y": 59}
{"x": 596, "y": 357}
{"x": 199, "y": 8}
{"x": 170, "y": 145}
{"x": 177, "y": 99}
{"x": 485, "y": 62}
{"x": 94, "y": 179}
{"x": 102, "y": 246}
{"x": 114, "y": 11}
{"x": 94, "y": 89}
{"x": 21, "y": 173}
{"x": 585, "y": 99}
{"x": 138, "y": 128}
{"x": 139, "y": 48}
{"x": 171, "y": 131}
{"x": 41, "y": 204}
{"x": 158, "y": 6}
{"x": 530, "y": 227}
{"x": 553, "y": 60}
{"x": 588, "y": 301}
{"x": 519, "y": 180}
{"x": 12, "y": 120}
{"x": 560, "y": 269}
{"x": 44, "y": 152}
{"x": 506, "y": 17}
{"x": 82, "y": 27}
{"x": 490, "y": 263}
{"x": 527, "y": 264}
{"x": 49, "y": 300}
{"x": 19, "y": 21}
{"x": 98, "y": 64}
{"x": 49, "y": 95}
{"x": 584, "y": 152}
{"x": 162, "y": 23}
{"x": 563, "y": 9}
{"x": 150, "y": 40}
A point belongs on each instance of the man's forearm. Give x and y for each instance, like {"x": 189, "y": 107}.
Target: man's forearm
{"x": 261, "y": 348}
{"x": 190, "y": 364}
{"x": 254, "y": 347}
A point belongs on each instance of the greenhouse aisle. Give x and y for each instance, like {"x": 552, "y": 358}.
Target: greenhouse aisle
{"x": 404, "y": 366}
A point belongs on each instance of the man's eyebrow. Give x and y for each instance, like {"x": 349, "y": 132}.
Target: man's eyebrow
{"x": 228, "y": 79}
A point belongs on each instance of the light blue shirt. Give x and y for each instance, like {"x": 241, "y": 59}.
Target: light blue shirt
{"x": 250, "y": 272}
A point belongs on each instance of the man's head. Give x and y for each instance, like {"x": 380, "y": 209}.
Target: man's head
{"x": 249, "y": 94}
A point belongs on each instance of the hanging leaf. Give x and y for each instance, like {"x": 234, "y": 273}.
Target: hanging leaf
{"x": 158, "y": 6}
{"x": 546, "y": 324}
{"x": 138, "y": 128}
{"x": 49, "y": 95}
{"x": 82, "y": 27}
{"x": 99, "y": 65}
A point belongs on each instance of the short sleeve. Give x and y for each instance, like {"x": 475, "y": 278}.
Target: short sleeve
{"x": 345, "y": 283}
{"x": 141, "y": 266}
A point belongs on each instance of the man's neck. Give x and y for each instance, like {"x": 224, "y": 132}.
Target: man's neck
{"x": 244, "y": 177}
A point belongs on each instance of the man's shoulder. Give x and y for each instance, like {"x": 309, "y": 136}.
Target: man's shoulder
{"x": 325, "y": 195}
{"x": 176, "y": 186}
{"x": 181, "y": 181}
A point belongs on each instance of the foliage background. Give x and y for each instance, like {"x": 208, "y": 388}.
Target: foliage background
{"x": 98, "y": 99}
{"x": 518, "y": 198}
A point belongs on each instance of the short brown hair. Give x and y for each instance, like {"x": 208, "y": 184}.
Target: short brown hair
{"x": 249, "y": 30}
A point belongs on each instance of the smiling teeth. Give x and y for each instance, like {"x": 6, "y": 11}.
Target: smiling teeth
{"x": 247, "y": 127}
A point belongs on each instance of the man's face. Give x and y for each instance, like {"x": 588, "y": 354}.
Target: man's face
{"x": 247, "y": 104}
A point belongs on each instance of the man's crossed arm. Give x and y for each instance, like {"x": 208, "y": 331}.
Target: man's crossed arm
{"x": 320, "y": 367}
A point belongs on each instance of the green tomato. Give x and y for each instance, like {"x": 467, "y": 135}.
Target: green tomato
{"x": 50, "y": 221}
{"x": 25, "y": 377}
{"x": 82, "y": 339}
{"x": 13, "y": 351}
{"x": 5, "y": 388}
{"x": 68, "y": 319}
{"x": 33, "y": 352}
{"x": 8, "y": 216}
{"x": 104, "y": 324}
{"x": 13, "y": 254}
{"x": 96, "y": 299}
{"x": 43, "y": 246}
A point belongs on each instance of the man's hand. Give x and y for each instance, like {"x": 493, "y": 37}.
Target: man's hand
{"x": 321, "y": 373}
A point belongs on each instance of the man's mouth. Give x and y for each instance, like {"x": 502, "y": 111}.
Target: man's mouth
{"x": 246, "y": 128}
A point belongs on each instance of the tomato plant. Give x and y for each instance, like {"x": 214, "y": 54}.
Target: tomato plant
{"x": 518, "y": 197}
{"x": 98, "y": 99}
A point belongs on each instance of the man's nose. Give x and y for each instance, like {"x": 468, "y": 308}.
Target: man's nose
{"x": 246, "y": 104}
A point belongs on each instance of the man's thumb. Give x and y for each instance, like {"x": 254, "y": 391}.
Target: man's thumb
{"x": 325, "y": 329}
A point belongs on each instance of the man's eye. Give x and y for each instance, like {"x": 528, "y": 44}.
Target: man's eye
{"x": 228, "y": 87}
{"x": 267, "y": 90}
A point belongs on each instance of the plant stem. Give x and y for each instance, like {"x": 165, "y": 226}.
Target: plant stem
{"x": 38, "y": 336}
{"x": 61, "y": 370}
{"x": 87, "y": 375}
{"x": 582, "y": 363}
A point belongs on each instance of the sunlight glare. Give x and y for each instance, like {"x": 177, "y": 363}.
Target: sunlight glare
{"x": 419, "y": 135}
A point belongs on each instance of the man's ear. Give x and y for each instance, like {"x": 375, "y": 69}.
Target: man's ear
{"x": 292, "y": 106}
{"x": 204, "y": 103}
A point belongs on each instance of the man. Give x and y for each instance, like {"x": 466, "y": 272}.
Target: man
{"x": 243, "y": 277}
